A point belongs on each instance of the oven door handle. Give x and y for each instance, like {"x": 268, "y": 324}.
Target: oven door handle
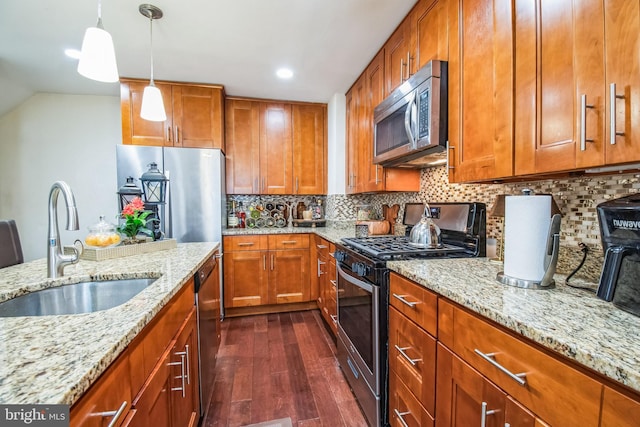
{"x": 359, "y": 283}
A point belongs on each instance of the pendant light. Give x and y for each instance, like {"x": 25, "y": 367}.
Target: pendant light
{"x": 152, "y": 103}
{"x": 98, "y": 57}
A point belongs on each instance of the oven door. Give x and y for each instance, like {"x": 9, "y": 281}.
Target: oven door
{"x": 359, "y": 324}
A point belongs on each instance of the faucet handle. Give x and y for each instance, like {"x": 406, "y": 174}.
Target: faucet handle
{"x": 77, "y": 249}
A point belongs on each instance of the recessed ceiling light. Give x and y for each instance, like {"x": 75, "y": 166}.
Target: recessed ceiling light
{"x": 72, "y": 53}
{"x": 284, "y": 73}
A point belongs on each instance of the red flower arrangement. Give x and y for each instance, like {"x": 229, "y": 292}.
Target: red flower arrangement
{"x": 135, "y": 219}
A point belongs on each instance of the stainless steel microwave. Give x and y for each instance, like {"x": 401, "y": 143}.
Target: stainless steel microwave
{"x": 410, "y": 125}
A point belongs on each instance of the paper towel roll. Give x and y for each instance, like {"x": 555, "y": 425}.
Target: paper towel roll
{"x": 526, "y": 227}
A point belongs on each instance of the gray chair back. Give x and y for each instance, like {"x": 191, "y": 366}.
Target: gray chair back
{"x": 10, "y": 249}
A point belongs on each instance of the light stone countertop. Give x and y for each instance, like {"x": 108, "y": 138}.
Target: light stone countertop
{"x": 54, "y": 359}
{"x": 572, "y": 322}
{"x": 331, "y": 233}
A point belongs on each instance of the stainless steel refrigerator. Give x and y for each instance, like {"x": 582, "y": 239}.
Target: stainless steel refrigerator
{"x": 195, "y": 208}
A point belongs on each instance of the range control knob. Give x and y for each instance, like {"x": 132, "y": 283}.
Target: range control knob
{"x": 360, "y": 269}
{"x": 340, "y": 256}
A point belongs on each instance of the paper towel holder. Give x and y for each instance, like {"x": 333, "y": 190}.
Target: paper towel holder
{"x": 550, "y": 262}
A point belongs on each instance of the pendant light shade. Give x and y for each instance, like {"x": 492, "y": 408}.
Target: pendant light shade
{"x": 98, "y": 57}
{"x": 152, "y": 104}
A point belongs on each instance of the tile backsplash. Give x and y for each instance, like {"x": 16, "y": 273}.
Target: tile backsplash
{"x": 576, "y": 197}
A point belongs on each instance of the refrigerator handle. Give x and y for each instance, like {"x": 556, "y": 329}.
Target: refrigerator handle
{"x": 168, "y": 223}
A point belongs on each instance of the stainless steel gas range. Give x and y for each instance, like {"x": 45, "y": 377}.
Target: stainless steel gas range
{"x": 363, "y": 294}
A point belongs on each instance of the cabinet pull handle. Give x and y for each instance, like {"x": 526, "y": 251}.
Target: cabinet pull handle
{"x": 400, "y": 416}
{"x": 334, "y": 318}
{"x": 264, "y": 262}
{"x": 186, "y": 350}
{"x": 322, "y": 246}
{"x": 613, "y": 97}
{"x": 489, "y": 357}
{"x": 168, "y": 137}
{"x": 182, "y": 378}
{"x": 377, "y": 179}
{"x": 485, "y": 412}
{"x": 115, "y": 414}
{"x": 449, "y": 148}
{"x": 404, "y": 301}
{"x": 401, "y": 70}
{"x": 408, "y": 64}
{"x": 332, "y": 255}
{"x": 334, "y": 283}
{"x": 401, "y": 350}
{"x": 289, "y": 242}
{"x": 262, "y": 186}
{"x": 177, "y": 140}
{"x": 185, "y": 353}
{"x": 320, "y": 272}
{"x": 271, "y": 262}
{"x": 246, "y": 244}
{"x": 296, "y": 185}
{"x": 583, "y": 122}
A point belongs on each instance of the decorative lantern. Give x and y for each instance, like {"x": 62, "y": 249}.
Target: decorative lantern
{"x": 128, "y": 192}
{"x": 154, "y": 185}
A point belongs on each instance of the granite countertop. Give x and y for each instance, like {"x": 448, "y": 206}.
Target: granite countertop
{"x": 572, "y": 322}
{"x": 54, "y": 359}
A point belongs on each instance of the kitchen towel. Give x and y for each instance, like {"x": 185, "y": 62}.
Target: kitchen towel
{"x": 526, "y": 227}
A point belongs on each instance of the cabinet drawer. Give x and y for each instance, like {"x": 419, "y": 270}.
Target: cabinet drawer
{"x": 288, "y": 241}
{"x": 403, "y": 404}
{"x": 111, "y": 392}
{"x": 415, "y": 302}
{"x": 253, "y": 242}
{"x": 547, "y": 381}
{"x": 324, "y": 247}
{"x": 412, "y": 356}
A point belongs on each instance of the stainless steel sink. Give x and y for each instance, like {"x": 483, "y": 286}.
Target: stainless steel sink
{"x": 83, "y": 297}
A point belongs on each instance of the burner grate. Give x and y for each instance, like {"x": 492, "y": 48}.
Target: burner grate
{"x": 386, "y": 247}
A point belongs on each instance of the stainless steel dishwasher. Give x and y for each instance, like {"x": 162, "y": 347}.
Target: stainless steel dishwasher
{"x": 207, "y": 294}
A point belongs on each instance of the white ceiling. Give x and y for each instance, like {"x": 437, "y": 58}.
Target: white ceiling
{"x": 237, "y": 43}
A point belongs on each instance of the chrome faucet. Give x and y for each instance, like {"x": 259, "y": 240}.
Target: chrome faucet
{"x": 55, "y": 258}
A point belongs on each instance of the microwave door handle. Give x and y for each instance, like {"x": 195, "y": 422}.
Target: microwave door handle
{"x": 408, "y": 122}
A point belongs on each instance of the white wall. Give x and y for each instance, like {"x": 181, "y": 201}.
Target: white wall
{"x": 336, "y": 125}
{"x": 52, "y": 137}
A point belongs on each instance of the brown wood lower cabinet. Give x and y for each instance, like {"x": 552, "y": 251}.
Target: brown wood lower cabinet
{"x": 155, "y": 380}
{"x": 262, "y": 270}
{"x": 470, "y": 371}
{"x": 107, "y": 396}
{"x": 325, "y": 274}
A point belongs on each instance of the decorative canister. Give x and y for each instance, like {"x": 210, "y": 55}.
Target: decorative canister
{"x": 363, "y": 212}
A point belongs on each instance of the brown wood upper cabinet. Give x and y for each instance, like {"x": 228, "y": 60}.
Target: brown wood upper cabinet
{"x": 275, "y": 147}
{"x": 195, "y": 115}
{"x": 577, "y": 97}
{"x": 362, "y": 174}
{"x": 480, "y": 89}
{"x": 421, "y": 37}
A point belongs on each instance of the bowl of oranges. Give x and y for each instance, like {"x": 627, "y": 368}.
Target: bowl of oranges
{"x": 102, "y": 235}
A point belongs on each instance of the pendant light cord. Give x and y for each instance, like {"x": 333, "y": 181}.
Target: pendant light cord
{"x": 151, "y": 83}
{"x": 99, "y": 24}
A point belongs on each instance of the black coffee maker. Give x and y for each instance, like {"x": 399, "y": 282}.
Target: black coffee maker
{"x": 620, "y": 231}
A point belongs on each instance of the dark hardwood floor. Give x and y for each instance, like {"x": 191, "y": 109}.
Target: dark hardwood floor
{"x": 276, "y": 366}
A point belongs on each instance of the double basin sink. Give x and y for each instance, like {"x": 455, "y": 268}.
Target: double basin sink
{"x": 76, "y": 298}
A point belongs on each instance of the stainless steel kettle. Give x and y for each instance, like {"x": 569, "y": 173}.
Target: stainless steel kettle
{"x": 426, "y": 233}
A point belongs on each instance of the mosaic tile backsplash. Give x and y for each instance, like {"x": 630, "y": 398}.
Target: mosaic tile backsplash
{"x": 576, "y": 197}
